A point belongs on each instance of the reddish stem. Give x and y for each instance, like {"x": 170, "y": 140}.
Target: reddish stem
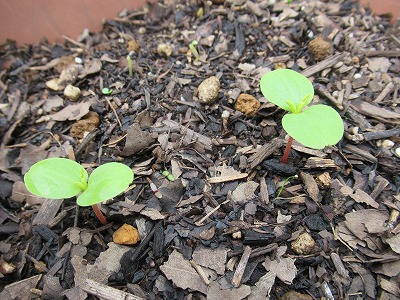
{"x": 99, "y": 214}
{"x": 287, "y": 150}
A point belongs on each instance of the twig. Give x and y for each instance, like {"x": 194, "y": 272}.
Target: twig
{"x": 387, "y": 90}
{"x": 74, "y": 42}
{"x": 200, "y": 222}
{"x": 237, "y": 277}
{"x": 114, "y": 111}
{"x": 200, "y": 271}
{"x": 36, "y": 262}
{"x": 326, "y": 63}
{"x": 387, "y": 53}
{"x": 106, "y": 292}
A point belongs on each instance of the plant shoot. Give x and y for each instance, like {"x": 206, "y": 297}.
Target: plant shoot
{"x": 59, "y": 178}
{"x": 316, "y": 126}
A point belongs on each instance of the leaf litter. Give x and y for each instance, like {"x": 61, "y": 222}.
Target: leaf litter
{"x": 230, "y": 225}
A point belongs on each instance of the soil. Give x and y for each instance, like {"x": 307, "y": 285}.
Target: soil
{"x": 232, "y": 222}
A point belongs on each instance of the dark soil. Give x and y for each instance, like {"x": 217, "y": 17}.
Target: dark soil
{"x": 223, "y": 229}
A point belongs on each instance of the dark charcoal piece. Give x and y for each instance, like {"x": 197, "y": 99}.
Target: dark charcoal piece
{"x": 256, "y": 238}
{"x": 275, "y": 166}
{"x": 229, "y": 151}
{"x": 158, "y": 241}
{"x": 316, "y": 222}
{"x": 45, "y": 232}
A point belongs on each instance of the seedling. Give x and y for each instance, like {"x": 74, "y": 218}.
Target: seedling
{"x": 130, "y": 70}
{"x": 106, "y": 91}
{"x": 167, "y": 174}
{"x": 192, "y": 47}
{"x": 316, "y": 126}
{"x": 59, "y": 178}
{"x": 284, "y": 183}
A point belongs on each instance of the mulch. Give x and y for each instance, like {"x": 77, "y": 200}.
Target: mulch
{"x": 235, "y": 223}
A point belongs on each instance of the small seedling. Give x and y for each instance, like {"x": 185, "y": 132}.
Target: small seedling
{"x": 284, "y": 183}
{"x": 192, "y": 47}
{"x": 59, "y": 178}
{"x": 106, "y": 91}
{"x": 130, "y": 70}
{"x": 169, "y": 176}
{"x": 316, "y": 126}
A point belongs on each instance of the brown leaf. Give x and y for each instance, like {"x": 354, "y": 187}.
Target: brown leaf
{"x": 211, "y": 258}
{"x": 311, "y": 186}
{"x": 362, "y": 197}
{"x": 182, "y": 274}
{"x": 216, "y": 292}
{"x": 284, "y": 269}
{"x": 71, "y": 112}
{"x": 394, "y": 243}
{"x": 262, "y": 287}
{"x": 244, "y": 192}
{"x": 21, "y": 194}
{"x": 137, "y": 140}
{"x": 91, "y": 67}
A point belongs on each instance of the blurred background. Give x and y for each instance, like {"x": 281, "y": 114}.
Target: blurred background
{"x": 28, "y": 21}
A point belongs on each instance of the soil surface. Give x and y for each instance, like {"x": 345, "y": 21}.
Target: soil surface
{"x": 232, "y": 222}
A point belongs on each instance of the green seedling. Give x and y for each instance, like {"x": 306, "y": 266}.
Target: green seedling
{"x": 59, "y": 178}
{"x": 169, "y": 176}
{"x": 284, "y": 183}
{"x": 192, "y": 47}
{"x": 130, "y": 70}
{"x": 316, "y": 126}
{"x": 106, "y": 91}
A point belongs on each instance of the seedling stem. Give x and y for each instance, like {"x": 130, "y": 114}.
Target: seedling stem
{"x": 99, "y": 214}
{"x": 287, "y": 150}
{"x": 129, "y": 59}
{"x": 192, "y": 47}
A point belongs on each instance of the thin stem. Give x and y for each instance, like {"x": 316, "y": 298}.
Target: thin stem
{"x": 287, "y": 150}
{"x": 129, "y": 59}
{"x": 99, "y": 214}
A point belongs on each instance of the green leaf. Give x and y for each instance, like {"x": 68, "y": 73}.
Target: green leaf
{"x": 56, "y": 178}
{"x": 106, "y": 182}
{"x": 316, "y": 127}
{"x": 282, "y": 86}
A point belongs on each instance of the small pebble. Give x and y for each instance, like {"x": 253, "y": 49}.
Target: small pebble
{"x": 303, "y": 245}
{"x": 357, "y": 76}
{"x": 133, "y": 45}
{"x": 126, "y": 235}
{"x": 397, "y": 152}
{"x": 247, "y": 104}
{"x": 387, "y": 144}
{"x": 78, "y": 60}
{"x": 208, "y": 90}
{"x": 320, "y": 48}
{"x": 54, "y": 85}
{"x": 164, "y": 50}
{"x": 237, "y": 235}
{"x": 72, "y": 92}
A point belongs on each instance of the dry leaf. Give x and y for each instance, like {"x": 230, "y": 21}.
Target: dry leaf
{"x": 213, "y": 259}
{"x": 263, "y": 287}
{"x": 394, "y": 243}
{"x": 362, "y": 197}
{"x": 215, "y": 292}
{"x": 182, "y": 274}
{"x": 284, "y": 269}
{"x": 91, "y": 67}
{"x": 152, "y": 214}
{"x": 244, "y": 192}
{"x": 137, "y": 140}
{"x": 71, "y": 112}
